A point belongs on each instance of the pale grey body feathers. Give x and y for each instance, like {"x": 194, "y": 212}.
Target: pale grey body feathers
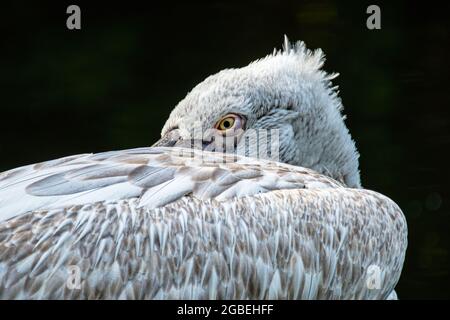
{"x": 156, "y": 223}
{"x": 315, "y": 241}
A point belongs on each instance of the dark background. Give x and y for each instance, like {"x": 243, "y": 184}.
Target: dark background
{"x": 112, "y": 84}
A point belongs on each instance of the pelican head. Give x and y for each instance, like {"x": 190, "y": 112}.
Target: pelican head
{"x": 287, "y": 92}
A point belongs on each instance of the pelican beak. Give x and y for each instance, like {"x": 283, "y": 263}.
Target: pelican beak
{"x": 170, "y": 139}
{"x": 173, "y": 139}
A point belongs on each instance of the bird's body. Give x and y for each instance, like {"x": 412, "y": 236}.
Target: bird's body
{"x": 168, "y": 222}
{"x": 246, "y": 229}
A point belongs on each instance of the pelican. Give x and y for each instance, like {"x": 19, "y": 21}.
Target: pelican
{"x": 181, "y": 220}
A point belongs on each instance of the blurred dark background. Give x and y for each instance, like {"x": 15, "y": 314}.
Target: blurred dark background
{"x": 112, "y": 84}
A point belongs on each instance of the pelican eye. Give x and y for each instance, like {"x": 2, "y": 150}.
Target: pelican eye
{"x": 230, "y": 121}
{"x": 226, "y": 123}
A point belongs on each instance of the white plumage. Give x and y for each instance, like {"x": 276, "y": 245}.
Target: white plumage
{"x": 152, "y": 223}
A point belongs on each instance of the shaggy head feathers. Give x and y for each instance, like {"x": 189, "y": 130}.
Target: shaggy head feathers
{"x": 288, "y": 91}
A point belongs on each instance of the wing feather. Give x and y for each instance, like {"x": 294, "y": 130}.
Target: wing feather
{"x": 157, "y": 175}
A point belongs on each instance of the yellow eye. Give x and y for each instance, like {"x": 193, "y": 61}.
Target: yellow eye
{"x": 226, "y": 123}
{"x": 232, "y": 122}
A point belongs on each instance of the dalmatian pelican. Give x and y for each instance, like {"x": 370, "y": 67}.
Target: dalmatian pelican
{"x": 157, "y": 223}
